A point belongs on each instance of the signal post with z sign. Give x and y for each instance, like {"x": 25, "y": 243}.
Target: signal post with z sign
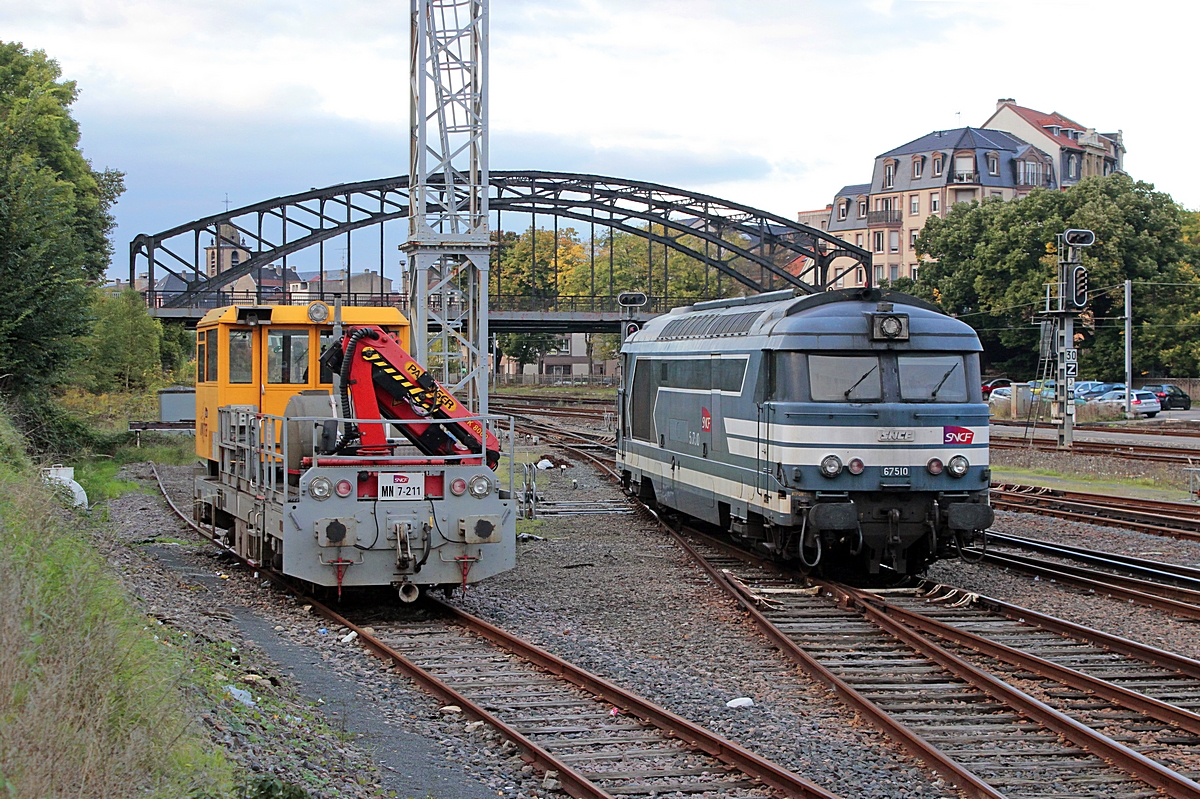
{"x": 1072, "y": 299}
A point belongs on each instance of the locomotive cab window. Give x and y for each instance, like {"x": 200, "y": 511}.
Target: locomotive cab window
{"x": 932, "y": 378}
{"x": 845, "y": 378}
{"x": 325, "y": 340}
{"x": 210, "y": 360}
{"x": 241, "y": 360}
{"x": 201, "y": 345}
{"x": 287, "y": 356}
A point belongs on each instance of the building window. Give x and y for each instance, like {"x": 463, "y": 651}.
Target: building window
{"x": 889, "y": 175}
{"x": 1072, "y": 166}
{"x": 964, "y": 168}
{"x": 862, "y": 209}
{"x": 997, "y": 194}
{"x": 917, "y": 166}
{"x": 1033, "y": 173}
{"x": 912, "y": 271}
{"x": 937, "y": 166}
{"x": 860, "y": 276}
{"x": 914, "y": 204}
{"x": 879, "y": 241}
{"x": 993, "y": 165}
{"x": 893, "y": 241}
{"x": 912, "y": 238}
{"x": 858, "y": 242}
{"x": 935, "y": 202}
{"x": 879, "y": 273}
{"x": 894, "y": 272}
{"x": 843, "y": 209}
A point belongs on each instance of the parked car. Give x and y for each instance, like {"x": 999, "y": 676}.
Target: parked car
{"x": 1097, "y": 390}
{"x": 993, "y": 384}
{"x": 1001, "y": 393}
{"x": 1084, "y": 386}
{"x": 1143, "y": 402}
{"x": 1170, "y": 396}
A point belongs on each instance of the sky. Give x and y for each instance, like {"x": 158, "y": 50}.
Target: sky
{"x": 772, "y": 103}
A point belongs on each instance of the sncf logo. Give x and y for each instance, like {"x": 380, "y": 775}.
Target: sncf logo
{"x": 957, "y": 435}
{"x": 399, "y": 479}
{"x": 705, "y": 420}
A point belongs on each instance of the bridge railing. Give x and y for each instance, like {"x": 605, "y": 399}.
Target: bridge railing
{"x": 568, "y": 304}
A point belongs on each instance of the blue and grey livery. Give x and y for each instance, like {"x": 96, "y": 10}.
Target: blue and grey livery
{"x": 844, "y": 429}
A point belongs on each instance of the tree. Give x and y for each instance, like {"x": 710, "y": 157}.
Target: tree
{"x": 995, "y": 258}
{"x": 527, "y": 347}
{"x": 54, "y": 222}
{"x": 126, "y": 344}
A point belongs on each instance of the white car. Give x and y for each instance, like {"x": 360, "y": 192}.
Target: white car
{"x": 1143, "y": 402}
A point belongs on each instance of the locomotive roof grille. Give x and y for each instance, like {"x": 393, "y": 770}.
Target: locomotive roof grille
{"x": 709, "y": 325}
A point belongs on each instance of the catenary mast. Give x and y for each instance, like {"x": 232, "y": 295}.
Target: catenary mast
{"x": 448, "y": 241}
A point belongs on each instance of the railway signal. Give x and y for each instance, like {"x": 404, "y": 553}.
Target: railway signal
{"x": 1072, "y": 298}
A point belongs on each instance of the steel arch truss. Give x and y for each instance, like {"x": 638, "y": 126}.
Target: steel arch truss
{"x": 757, "y": 249}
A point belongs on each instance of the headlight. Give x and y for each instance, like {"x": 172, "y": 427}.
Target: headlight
{"x": 831, "y": 466}
{"x": 855, "y": 466}
{"x": 480, "y": 486}
{"x": 958, "y": 466}
{"x": 934, "y": 466}
{"x": 318, "y": 312}
{"x": 320, "y": 488}
{"x": 458, "y": 486}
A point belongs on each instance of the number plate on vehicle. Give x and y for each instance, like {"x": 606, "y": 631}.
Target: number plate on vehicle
{"x": 895, "y": 471}
{"x": 401, "y": 485}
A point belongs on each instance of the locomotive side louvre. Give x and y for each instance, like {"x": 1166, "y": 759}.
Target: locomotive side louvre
{"x": 803, "y": 426}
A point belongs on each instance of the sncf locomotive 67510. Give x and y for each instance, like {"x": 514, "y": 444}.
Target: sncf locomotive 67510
{"x": 844, "y": 430}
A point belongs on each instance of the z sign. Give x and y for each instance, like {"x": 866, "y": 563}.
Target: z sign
{"x": 957, "y": 435}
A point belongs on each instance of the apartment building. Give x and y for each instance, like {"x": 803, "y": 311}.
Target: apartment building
{"x": 1078, "y": 151}
{"x": 923, "y": 178}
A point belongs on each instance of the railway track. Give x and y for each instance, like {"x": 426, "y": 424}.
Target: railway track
{"x": 597, "y": 740}
{"x": 966, "y": 719}
{"x": 1095, "y": 427}
{"x": 1175, "y": 519}
{"x": 1158, "y": 454}
{"x": 1166, "y": 586}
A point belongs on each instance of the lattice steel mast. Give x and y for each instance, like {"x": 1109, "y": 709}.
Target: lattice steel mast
{"x": 448, "y": 236}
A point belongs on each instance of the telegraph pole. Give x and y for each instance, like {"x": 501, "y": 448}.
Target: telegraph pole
{"x": 448, "y": 237}
{"x": 1072, "y": 298}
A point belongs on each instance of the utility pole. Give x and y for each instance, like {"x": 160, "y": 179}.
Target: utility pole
{"x": 1072, "y": 298}
{"x": 448, "y": 239}
{"x": 1128, "y": 349}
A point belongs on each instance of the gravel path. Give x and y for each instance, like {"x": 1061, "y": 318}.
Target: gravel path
{"x": 1142, "y": 624}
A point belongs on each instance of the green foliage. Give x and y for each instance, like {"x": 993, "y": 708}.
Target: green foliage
{"x": 52, "y": 431}
{"x": 994, "y": 259}
{"x": 176, "y": 348}
{"x": 264, "y": 787}
{"x": 527, "y": 347}
{"x": 125, "y": 348}
{"x": 89, "y": 696}
{"x": 54, "y": 222}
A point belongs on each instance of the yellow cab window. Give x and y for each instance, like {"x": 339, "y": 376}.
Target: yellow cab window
{"x": 326, "y": 340}
{"x": 210, "y": 368}
{"x": 201, "y": 338}
{"x": 241, "y": 360}
{"x": 287, "y": 356}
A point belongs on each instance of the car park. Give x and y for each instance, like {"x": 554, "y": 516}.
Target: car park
{"x": 1143, "y": 402}
{"x": 1097, "y": 389}
{"x": 1170, "y": 396}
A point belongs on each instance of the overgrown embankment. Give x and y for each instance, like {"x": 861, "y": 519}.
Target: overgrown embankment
{"x": 90, "y": 702}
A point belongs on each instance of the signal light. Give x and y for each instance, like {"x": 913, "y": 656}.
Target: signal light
{"x": 343, "y": 488}
{"x": 934, "y": 466}
{"x": 855, "y": 466}
{"x": 458, "y": 486}
{"x": 629, "y": 329}
{"x": 1079, "y": 238}
{"x": 1079, "y": 286}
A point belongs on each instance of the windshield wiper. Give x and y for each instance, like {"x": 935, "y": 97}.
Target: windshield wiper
{"x": 941, "y": 382}
{"x": 866, "y": 374}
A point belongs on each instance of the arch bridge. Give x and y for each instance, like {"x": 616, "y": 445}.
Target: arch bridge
{"x": 204, "y": 264}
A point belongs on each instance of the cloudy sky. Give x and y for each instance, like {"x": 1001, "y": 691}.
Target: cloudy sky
{"x": 774, "y": 103}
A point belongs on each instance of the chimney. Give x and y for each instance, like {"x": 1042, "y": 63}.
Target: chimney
{"x": 1003, "y": 101}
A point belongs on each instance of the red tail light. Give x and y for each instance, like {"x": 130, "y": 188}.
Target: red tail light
{"x": 1137, "y": 402}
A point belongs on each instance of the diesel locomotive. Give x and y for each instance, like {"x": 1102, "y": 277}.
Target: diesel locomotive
{"x": 329, "y": 454}
{"x": 843, "y": 431}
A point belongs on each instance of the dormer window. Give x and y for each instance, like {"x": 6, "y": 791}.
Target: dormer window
{"x": 937, "y": 166}
{"x": 843, "y": 209}
{"x": 889, "y": 175}
{"x": 918, "y": 163}
{"x": 993, "y": 165}
{"x": 862, "y": 208}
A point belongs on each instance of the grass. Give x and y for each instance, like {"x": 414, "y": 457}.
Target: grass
{"x": 98, "y": 473}
{"x": 557, "y": 392}
{"x": 90, "y": 698}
